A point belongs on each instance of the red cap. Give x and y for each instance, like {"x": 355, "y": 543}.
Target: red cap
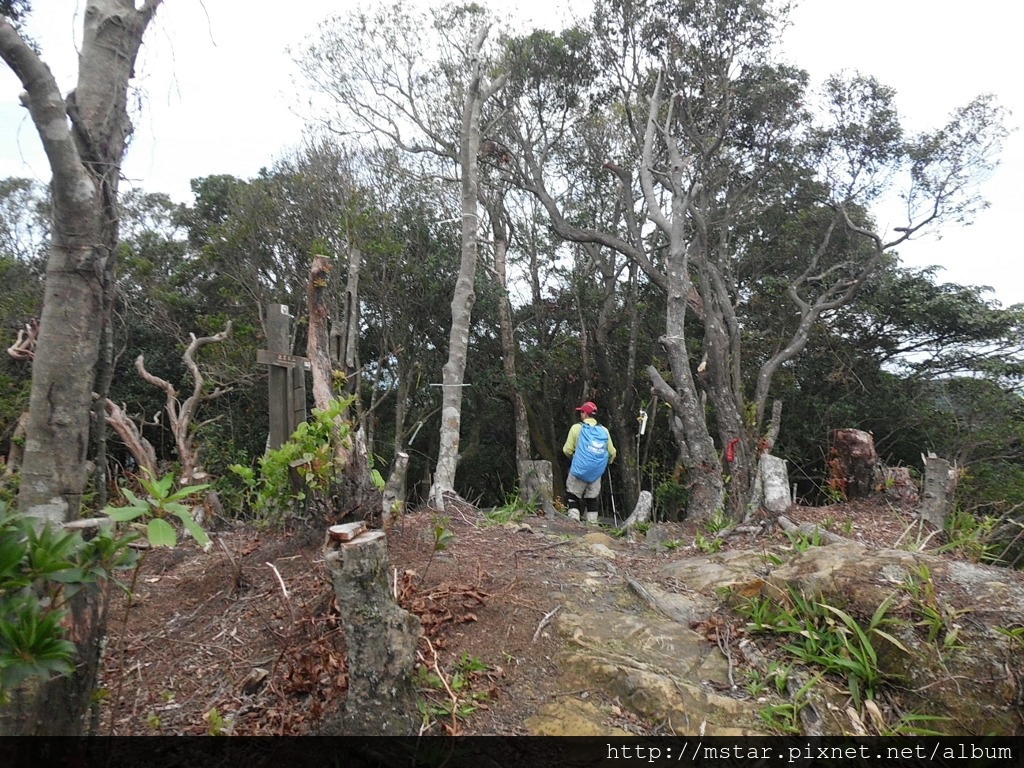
{"x": 588, "y": 408}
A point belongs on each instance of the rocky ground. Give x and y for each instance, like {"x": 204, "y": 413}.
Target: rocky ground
{"x": 246, "y": 638}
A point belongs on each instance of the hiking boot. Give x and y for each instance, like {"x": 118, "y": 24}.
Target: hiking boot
{"x": 574, "y": 514}
{"x": 591, "y": 518}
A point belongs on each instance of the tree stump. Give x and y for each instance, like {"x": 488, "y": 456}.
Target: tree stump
{"x": 853, "y": 466}
{"x": 900, "y": 485}
{"x": 394, "y": 496}
{"x": 380, "y": 637}
{"x": 641, "y": 512}
{"x": 774, "y": 478}
{"x": 939, "y": 491}
{"x": 539, "y": 483}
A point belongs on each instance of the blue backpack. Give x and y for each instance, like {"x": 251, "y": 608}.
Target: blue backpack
{"x": 591, "y": 457}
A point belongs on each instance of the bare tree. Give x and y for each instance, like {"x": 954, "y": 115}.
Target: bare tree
{"x": 181, "y": 414}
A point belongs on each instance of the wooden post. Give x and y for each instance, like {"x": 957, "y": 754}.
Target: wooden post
{"x": 380, "y": 637}
{"x": 286, "y": 395}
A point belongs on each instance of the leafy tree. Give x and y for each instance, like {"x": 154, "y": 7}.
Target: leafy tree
{"x": 755, "y": 195}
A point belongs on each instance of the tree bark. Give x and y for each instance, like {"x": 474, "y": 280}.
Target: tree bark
{"x": 351, "y": 455}
{"x": 641, "y": 512}
{"x": 463, "y": 299}
{"x": 395, "y": 491}
{"x": 84, "y": 137}
{"x": 318, "y": 342}
{"x": 853, "y": 465}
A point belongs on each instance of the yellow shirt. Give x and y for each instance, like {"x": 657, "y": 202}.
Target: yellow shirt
{"x": 574, "y": 435}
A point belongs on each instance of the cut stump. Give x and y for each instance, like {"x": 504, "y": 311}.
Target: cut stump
{"x": 939, "y": 491}
{"x": 853, "y": 465}
{"x": 381, "y": 640}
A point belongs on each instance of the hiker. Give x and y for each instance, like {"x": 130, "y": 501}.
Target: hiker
{"x": 591, "y": 448}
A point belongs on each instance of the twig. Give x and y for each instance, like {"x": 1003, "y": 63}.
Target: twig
{"x": 723, "y": 646}
{"x": 545, "y": 621}
{"x": 561, "y": 543}
{"x": 284, "y": 589}
{"x": 444, "y": 682}
{"x": 237, "y": 585}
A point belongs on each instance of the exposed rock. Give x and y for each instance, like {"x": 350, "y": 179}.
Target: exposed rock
{"x": 964, "y": 673}
{"x": 656, "y": 668}
{"x": 572, "y": 717}
{"x": 713, "y": 573}
{"x": 596, "y": 537}
{"x": 639, "y": 646}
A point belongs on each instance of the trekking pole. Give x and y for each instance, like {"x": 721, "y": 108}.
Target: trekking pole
{"x": 611, "y": 490}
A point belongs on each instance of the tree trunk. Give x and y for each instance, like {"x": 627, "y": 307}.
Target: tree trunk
{"x": 508, "y": 348}
{"x": 351, "y": 455}
{"x": 85, "y": 158}
{"x": 454, "y": 370}
{"x": 84, "y": 137}
{"x": 538, "y": 484}
{"x": 395, "y": 491}
{"x": 641, "y": 512}
{"x": 703, "y": 467}
{"x": 349, "y": 358}
{"x": 318, "y": 343}
{"x": 380, "y": 638}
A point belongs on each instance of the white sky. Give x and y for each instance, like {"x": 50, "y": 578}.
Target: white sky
{"x": 219, "y": 95}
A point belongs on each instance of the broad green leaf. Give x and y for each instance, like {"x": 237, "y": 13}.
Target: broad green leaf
{"x": 124, "y": 514}
{"x": 68, "y": 576}
{"x": 135, "y": 500}
{"x": 12, "y": 551}
{"x": 194, "y": 528}
{"x": 161, "y": 533}
{"x": 189, "y": 490}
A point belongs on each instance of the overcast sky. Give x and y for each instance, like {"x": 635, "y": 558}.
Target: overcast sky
{"x": 219, "y": 95}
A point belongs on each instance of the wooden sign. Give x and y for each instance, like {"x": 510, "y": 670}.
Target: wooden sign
{"x": 287, "y": 387}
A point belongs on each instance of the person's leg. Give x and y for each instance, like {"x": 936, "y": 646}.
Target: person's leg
{"x": 590, "y": 497}
{"x": 574, "y": 488}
